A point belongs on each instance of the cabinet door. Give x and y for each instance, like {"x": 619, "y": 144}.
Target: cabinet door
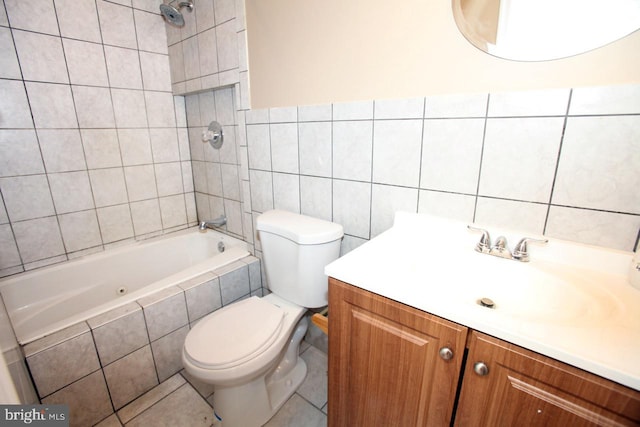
{"x": 384, "y": 363}
{"x": 522, "y": 388}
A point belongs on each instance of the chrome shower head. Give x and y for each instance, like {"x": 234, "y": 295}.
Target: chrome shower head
{"x": 172, "y": 15}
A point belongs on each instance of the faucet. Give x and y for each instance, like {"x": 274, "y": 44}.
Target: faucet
{"x": 500, "y": 248}
{"x": 218, "y": 222}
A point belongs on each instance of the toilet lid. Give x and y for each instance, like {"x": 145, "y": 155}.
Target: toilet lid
{"x": 233, "y": 335}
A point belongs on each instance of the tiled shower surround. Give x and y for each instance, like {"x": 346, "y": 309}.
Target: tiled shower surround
{"x": 99, "y": 366}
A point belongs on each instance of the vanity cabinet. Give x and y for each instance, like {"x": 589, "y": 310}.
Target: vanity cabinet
{"x": 388, "y": 366}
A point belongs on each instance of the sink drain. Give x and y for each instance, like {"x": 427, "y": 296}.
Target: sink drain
{"x": 121, "y": 291}
{"x": 486, "y": 302}
{"x": 221, "y": 247}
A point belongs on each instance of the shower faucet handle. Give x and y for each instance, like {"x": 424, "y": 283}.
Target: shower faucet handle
{"x": 484, "y": 245}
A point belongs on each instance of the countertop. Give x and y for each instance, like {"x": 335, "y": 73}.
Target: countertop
{"x": 571, "y": 302}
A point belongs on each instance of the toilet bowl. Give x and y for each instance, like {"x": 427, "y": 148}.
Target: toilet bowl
{"x": 249, "y": 350}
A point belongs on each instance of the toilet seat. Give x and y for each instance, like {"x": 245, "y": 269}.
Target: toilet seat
{"x": 234, "y": 334}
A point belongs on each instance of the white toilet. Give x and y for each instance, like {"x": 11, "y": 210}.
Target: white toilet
{"x": 249, "y": 350}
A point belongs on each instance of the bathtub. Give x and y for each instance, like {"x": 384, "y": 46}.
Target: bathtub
{"x": 52, "y": 298}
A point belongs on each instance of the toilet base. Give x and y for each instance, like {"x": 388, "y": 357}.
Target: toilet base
{"x": 254, "y": 403}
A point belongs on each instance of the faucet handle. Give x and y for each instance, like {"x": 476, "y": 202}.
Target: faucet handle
{"x": 484, "y": 245}
{"x": 521, "y": 252}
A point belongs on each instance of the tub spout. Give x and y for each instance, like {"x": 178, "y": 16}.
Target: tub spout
{"x": 218, "y": 222}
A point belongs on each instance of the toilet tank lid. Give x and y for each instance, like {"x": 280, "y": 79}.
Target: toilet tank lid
{"x": 301, "y": 229}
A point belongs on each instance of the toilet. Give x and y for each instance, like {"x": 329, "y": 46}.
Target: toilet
{"x": 248, "y": 350}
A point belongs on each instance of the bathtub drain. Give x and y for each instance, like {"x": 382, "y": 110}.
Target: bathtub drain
{"x": 121, "y": 291}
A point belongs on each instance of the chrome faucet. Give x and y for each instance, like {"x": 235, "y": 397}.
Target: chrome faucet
{"x": 500, "y": 248}
{"x": 218, "y": 222}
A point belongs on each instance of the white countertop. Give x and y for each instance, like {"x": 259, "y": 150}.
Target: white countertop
{"x": 571, "y": 302}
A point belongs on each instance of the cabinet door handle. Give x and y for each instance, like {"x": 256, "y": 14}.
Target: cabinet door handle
{"x": 481, "y": 369}
{"x": 446, "y": 353}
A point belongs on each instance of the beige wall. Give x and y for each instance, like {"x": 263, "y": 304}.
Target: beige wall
{"x": 306, "y": 52}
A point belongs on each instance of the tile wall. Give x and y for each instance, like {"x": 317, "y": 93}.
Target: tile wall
{"x": 93, "y": 145}
{"x": 210, "y": 50}
{"x": 99, "y": 366}
{"x": 563, "y": 163}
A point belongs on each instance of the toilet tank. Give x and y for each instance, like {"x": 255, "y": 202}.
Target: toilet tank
{"x": 295, "y": 250}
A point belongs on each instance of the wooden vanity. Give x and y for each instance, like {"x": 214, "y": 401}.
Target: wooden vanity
{"x": 394, "y": 365}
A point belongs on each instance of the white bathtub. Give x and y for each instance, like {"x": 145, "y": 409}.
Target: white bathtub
{"x": 52, "y": 298}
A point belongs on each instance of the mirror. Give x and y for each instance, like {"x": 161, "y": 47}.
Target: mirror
{"x": 540, "y": 30}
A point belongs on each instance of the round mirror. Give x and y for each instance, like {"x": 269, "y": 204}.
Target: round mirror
{"x": 539, "y": 30}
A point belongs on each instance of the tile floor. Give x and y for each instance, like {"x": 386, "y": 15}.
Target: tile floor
{"x": 182, "y": 401}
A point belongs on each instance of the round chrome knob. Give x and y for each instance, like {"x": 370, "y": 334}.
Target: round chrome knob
{"x": 446, "y": 353}
{"x": 480, "y": 368}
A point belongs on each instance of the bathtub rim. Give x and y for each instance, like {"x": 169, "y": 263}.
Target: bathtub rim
{"x": 236, "y": 251}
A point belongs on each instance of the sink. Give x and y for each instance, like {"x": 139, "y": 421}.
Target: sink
{"x": 541, "y": 291}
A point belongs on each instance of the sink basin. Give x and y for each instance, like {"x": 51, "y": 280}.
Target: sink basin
{"x": 540, "y": 291}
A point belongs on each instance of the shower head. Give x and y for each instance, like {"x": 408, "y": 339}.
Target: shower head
{"x": 172, "y": 15}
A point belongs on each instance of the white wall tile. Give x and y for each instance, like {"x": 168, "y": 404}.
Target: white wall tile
{"x": 172, "y": 211}
{"x": 228, "y": 152}
{"x": 38, "y": 239}
{"x": 176, "y": 64}
{"x": 519, "y": 158}
{"x": 509, "y": 214}
{"x": 19, "y": 153}
{"x": 150, "y": 31}
{"x": 141, "y": 182}
{"x": 164, "y": 145}
{"x": 115, "y": 223}
{"x": 37, "y": 16}
{"x": 227, "y": 46}
{"x": 129, "y": 108}
{"x": 93, "y": 107}
{"x": 314, "y": 113}
{"x": 108, "y": 187}
{"x": 85, "y": 62}
{"x": 284, "y": 147}
{"x": 608, "y": 229}
{"x": 146, "y": 216}
{"x": 551, "y": 102}
{"x": 451, "y": 154}
{"x": 208, "y": 52}
{"x": 261, "y": 190}
{"x": 155, "y": 71}
{"x": 82, "y": 24}
{"x": 124, "y": 67}
{"x": 205, "y": 16}
{"x": 80, "y": 230}
{"x": 315, "y": 148}
{"x": 230, "y": 182}
{"x": 411, "y": 108}
{"x": 315, "y": 197}
{"x": 605, "y": 100}
{"x": 214, "y": 179}
{"x": 71, "y": 191}
{"x": 386, "y": 200}
{"x": 101, "y": 148}
{"x": 52, "y": 105}
{"x": 445, "y": 106}
{"x": 61, "y": 150}
{"x": 396, "y": 152}
{"x": 135, "y": 146}
{"x": 160, "y": 109}
{"x": 116, "y": 25}
{"x": 224, "y": 10}
{"x": 361, "y": 110}
{"x": 352, "y": 150}
{"x": 225, "y": 107}
{"x": 191, "y": 57}
{"x": 9, "y": 67}
{"x": 41, "y": 57}
{"x": 259, "y": 147}
{"x": 352, "y": 207}
{"x": 181, "y": 112}
{"x": 14, "y": 112}
{"x": 9, "y": 255}
{"x": 27, "y": 197}
{"x": 599, "y": 164}
{"x": 169, "y": 179}
{"x": 286, "y": 192}
{"x": 283, "y": 115}
{"x": 3, "y": 15}
{"x": 447, "y": 205}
